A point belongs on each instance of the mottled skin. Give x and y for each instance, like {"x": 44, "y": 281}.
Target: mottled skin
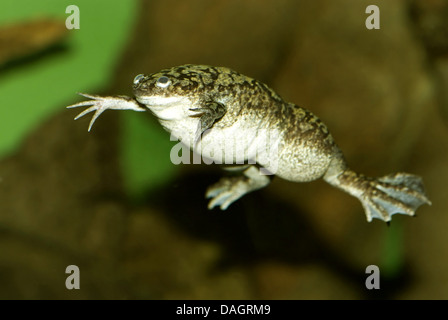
{"x": 307, "y": 148}
{"x": 205, "y": 107}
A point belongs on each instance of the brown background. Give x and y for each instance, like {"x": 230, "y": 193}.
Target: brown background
{"x": 381, "y": 92}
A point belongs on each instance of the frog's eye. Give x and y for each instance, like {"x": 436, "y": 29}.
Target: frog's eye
{"x": 163, "y": 82}
{"x": 138, "y": 79}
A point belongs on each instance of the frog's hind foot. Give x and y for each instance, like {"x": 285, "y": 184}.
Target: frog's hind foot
{"x": 229, "y": 189}
{"x": 399, "y": 193}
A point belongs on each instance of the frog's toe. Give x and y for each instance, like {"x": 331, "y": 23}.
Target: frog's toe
{"x": 223, "y": 185}
{"x": 225, "y": 192}
{"x": 100, "y": 104}
{"x": 223, "y": 200}
{"x": 229, "y": 189}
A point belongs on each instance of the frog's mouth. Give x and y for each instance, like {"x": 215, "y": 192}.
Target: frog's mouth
{"x": 165, "y": 108}
{"x": 159, "y": 101}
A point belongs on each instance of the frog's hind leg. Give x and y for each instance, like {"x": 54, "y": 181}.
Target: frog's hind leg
{"x": 229, "y": 189}
{"x": 399, "y": 193}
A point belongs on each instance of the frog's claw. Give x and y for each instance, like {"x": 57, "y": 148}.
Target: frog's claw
{"x": 400, "y": 193}
{"x": 210, "y": 113}
{"x": 229, "y": 189}
{"x": 397, "y": 193}
{"x": 100, "y": 104}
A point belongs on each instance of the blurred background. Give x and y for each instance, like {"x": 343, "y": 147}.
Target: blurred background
{"x": 111, "y": 202}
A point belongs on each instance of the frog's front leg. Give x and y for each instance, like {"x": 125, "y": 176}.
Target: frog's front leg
{"x": 209, "y": 113}
{"x": 229, "y": 189}
{"x": 100, "y": 104}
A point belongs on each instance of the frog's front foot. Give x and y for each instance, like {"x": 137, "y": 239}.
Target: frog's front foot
{"x": 229, "y": 189}
{"x": 100, "y": 104}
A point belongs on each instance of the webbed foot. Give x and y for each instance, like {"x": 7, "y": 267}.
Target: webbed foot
{"x": 399, "y": 193}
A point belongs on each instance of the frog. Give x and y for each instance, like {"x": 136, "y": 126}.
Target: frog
{"x": 208, "y": 107}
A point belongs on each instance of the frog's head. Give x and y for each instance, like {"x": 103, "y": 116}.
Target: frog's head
{"x": 171, "y": 93}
